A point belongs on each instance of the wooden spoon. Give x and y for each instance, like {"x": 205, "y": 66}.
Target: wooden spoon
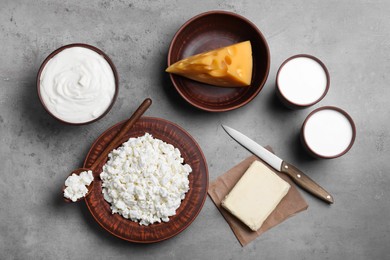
{"x": 114, "y": 143}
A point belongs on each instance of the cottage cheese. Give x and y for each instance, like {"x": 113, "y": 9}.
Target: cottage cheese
{"x": 76, "y": 185}
{"x": 145, "y": 180}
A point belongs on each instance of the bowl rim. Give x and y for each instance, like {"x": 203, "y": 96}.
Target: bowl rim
{"x": 303, "y": 137}
{"x": 294, "y": 104}
{"x": 83, "y": 45}
{"x": 237, "y": 16}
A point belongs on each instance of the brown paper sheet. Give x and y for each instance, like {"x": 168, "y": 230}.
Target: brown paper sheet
{"x": 290, "y": 205}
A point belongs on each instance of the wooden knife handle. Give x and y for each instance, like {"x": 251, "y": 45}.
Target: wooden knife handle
{"x": 306, "y": 183}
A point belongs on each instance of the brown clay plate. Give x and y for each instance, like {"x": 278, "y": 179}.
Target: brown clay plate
{"x": 190, "y": 206}
{"x": 208, "y": 31}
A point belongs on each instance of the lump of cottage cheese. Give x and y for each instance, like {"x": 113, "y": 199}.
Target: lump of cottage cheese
{"x": 76, "y": 185}
{"x": 145, "y": 180}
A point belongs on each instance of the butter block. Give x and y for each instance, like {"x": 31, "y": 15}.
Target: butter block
{"x": 229, "y": 66}
{"x": 255, "y": 195}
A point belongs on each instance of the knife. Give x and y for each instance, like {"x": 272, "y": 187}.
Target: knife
{"x": 278, "y": 164}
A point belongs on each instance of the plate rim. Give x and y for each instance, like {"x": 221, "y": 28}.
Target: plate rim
{"x": 219, "y": 12}
{"x": 204, "y": 196}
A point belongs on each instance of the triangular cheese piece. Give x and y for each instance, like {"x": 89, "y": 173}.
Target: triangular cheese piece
{"x": 229, "y": 66}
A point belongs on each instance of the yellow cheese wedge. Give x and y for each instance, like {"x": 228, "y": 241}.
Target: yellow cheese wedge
{"x": 230, "y": 66}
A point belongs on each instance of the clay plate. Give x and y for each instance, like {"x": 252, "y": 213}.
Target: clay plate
{"x": 213, "y": 30}
{"x": 93, "y": 48}
{"x": 190, "y": 206}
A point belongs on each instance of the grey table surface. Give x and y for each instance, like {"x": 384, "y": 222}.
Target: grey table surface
{"x": 351, "y": 37}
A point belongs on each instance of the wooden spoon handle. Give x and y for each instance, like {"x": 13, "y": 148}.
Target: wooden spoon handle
{"x": 306, "y": 183}
{"x": 133, "y": 119}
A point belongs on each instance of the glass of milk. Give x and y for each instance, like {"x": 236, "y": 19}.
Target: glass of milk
{"x": 328, "y": 132}
{"x": 302, "y": 80}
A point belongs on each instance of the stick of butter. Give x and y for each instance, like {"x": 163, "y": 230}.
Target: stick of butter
{"x": 255, "y": 195}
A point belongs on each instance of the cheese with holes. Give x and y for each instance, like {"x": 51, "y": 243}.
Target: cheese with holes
{"x": 255, "y": 195}
{"x": 229, "y": 66}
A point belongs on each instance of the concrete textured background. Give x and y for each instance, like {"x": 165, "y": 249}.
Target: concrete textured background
{"x": 351, "y": 37}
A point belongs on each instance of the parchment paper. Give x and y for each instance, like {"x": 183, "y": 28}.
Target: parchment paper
{"x": 290, "y": 205}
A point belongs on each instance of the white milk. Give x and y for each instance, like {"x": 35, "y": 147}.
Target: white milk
{"x": 328, "y": 132}
{"x": 302, "y": 80}
{"x": 77, "y": 85}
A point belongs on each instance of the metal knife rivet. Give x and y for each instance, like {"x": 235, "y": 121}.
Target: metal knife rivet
{"x": 298, "y": 175}
{"x": 328, "y": 197}
{"x": 286, "y": 166}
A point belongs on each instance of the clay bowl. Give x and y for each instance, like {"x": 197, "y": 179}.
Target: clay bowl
{"x": 190, "y": 206}
{"x": 77, "y": 172}
{"x": 212, "y": 30}
{"x": 93, "y": 49}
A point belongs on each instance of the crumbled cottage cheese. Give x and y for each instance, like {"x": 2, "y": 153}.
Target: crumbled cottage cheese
{"x": 76, "y": 185}
{"x": 145, "y": 180}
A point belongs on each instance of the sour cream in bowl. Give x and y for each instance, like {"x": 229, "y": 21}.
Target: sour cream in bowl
{"x": 77, "y": 84}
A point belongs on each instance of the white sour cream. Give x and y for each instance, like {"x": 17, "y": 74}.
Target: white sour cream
{"x": 77, "y": 85}
{"x": 302, "y": 80}
{"x": 328, "y": 132}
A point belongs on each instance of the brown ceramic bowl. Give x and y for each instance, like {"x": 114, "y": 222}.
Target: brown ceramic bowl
{"x": 291, "y": 104}
{"x": 190, "y": 206}
{"x": 316, "y": 154}
{"x": 93, "y": 49}
{"x": 212, "y": 30}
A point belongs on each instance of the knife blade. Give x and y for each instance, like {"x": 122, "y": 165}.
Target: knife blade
{"x": 301, "y": 179}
